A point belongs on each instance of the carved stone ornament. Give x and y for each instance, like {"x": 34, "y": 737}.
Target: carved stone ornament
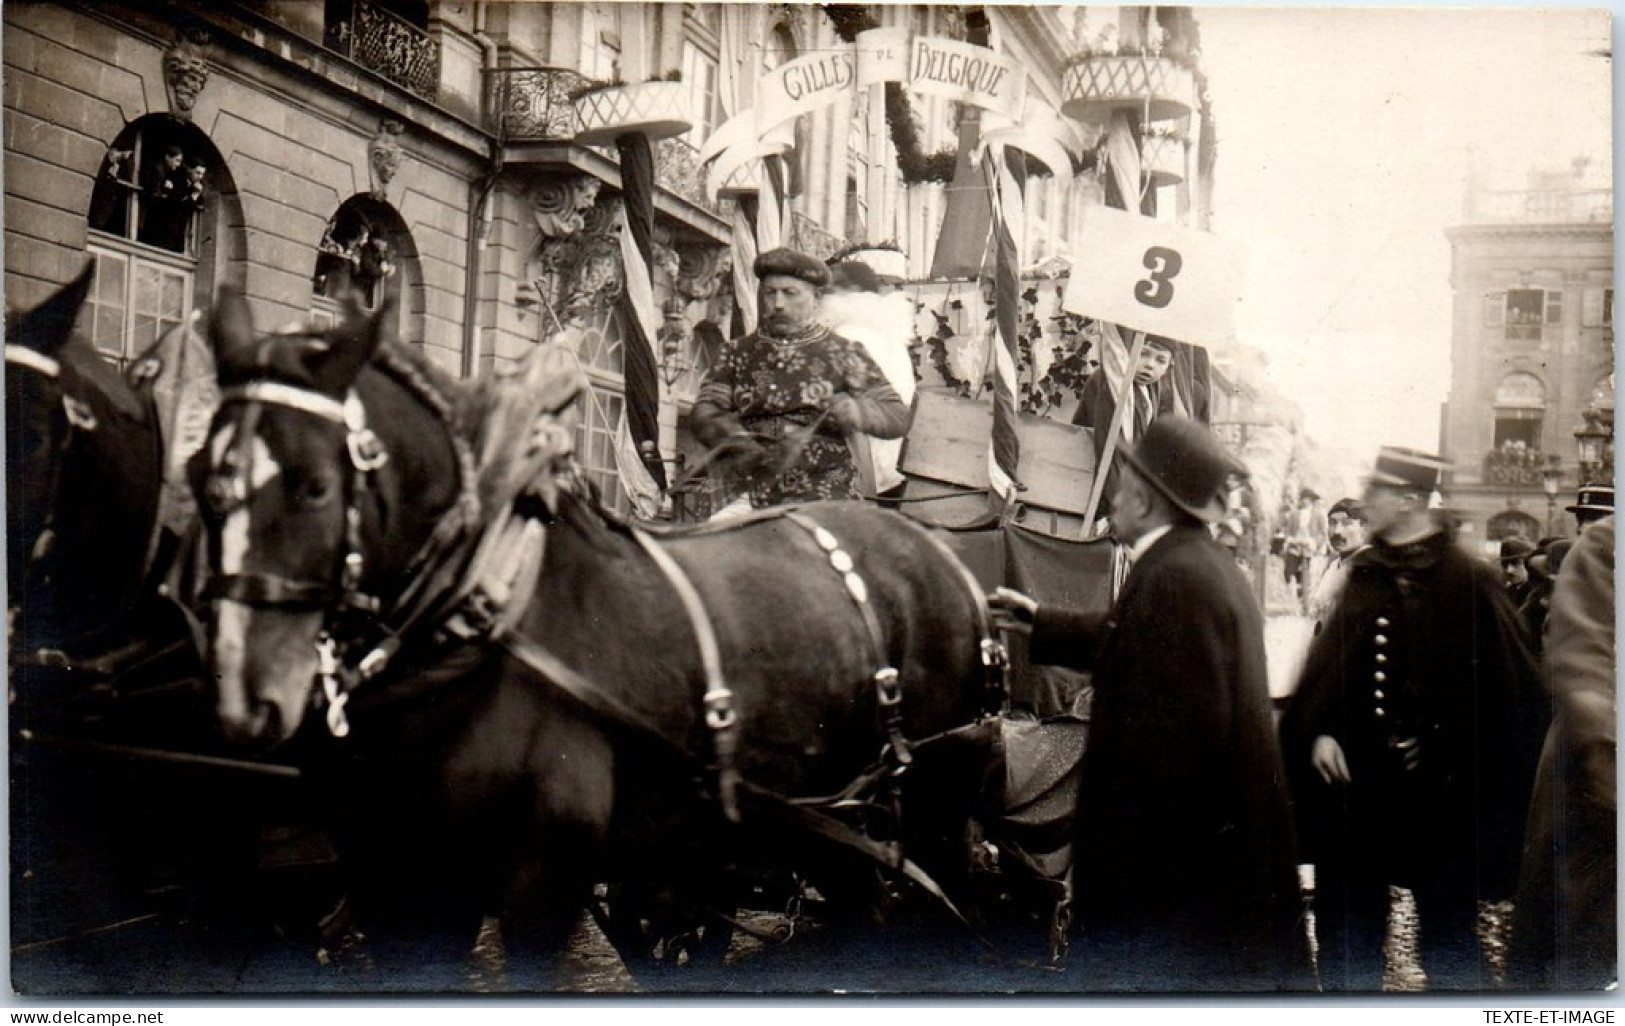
{"x": 384, "y": 156}
{"x": 580, "y": 270}
{"x": 701, "y": 270}
{"x": 559, "y": 205}
{"x": 186, "y": 72}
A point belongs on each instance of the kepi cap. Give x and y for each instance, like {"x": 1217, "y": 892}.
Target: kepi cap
{"x": 1593, "y": 498}
{"x": 1408, "y": 468}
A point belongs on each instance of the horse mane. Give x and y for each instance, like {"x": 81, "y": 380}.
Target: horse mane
{"x": 447, "y": 399}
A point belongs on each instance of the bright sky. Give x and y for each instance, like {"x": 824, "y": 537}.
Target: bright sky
{"x": 1344, "y": 138}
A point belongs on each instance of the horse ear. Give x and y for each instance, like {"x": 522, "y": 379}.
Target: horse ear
{"x": 351, "y": 344}
{"x": 231, "y": 330}
{"x": 47, "y": 327}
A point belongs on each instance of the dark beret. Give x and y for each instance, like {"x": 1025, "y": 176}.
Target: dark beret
{"x": 1352, "y": 507}
{"x": 787, "y": 263}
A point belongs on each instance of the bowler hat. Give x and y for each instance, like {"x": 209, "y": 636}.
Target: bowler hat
{"x": 1182, "y": 460}
{"x": 1408, "y": 468}
{"x": 789, "y": 263}
{"x": 1514, "y": 548}
{"x": 1594, "y": 498}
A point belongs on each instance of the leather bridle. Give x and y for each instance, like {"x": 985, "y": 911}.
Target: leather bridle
{"x": 229, "y": 487}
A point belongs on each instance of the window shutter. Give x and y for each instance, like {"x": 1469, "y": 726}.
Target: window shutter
{"x": 1495, "y": 309}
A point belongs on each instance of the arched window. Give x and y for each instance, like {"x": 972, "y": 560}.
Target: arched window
{"x": 1520, "y": 407}
{"x": 367, "y": 247}
{"x": 156, "y": 212}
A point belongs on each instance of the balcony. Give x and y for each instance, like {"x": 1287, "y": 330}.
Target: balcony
{"x": 1541, "y": 206}
{"x": 388, "y": 44}
{"x": 533, "y": 104}
{"x": 1516, "y": 468}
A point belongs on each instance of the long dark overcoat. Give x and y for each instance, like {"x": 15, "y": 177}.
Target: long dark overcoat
{"x": 1185, "y": 864}
{"x": 1456, "y": 674}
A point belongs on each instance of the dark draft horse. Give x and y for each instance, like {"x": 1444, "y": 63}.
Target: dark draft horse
{"x": 599, "y": 739}
{"x": 104, "y": 675}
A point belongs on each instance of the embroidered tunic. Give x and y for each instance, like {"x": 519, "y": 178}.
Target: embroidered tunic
{"x": 773, "y": 388}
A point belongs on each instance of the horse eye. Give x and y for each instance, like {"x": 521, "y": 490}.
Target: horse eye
{"x": 315, "y": 490}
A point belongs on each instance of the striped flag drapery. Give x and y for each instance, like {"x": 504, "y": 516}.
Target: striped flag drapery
{"x": 639, "y": 430}
{"x": 1005, "y": 173}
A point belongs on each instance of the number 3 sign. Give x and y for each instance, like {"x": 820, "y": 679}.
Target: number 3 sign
{"x": 1152, "y": 276}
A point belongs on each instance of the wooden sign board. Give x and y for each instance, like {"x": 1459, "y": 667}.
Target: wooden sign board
{"x": 1154, "y": 276}
{"x": 949, "y": 440}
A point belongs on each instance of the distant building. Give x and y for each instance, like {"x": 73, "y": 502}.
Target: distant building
{"x": 1532, "y": 349}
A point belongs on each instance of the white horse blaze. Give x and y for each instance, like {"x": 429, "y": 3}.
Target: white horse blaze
{"x": 232, "y": 619}
{"x": 262, "y": 469}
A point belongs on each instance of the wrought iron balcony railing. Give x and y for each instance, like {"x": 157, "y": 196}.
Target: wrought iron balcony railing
{"x": 384, "y": 42}
{"x": 532, "y": 103}
{"x": 1519, "y": 468}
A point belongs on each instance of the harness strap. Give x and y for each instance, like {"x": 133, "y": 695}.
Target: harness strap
{"x": 583, "y": 691}
{"x": 268, "y": 590}
{"x": 887, "y": 853}
{"x": 888, "y": 687}
{"x": 720, "y": 716}
{"x": 995, "y": 657}
{"x": 34, "y": 360}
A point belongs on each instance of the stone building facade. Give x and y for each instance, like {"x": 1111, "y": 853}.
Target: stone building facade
{"x": 1532, "y": 350}
{"x": 425, "y": 151}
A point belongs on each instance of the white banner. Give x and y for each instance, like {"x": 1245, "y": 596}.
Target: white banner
{"x": 1156, "y": 277}
{"x": 966, "y": 73}
{"x": 806, "y": 83}
{"x": 940, "y": 67}
{"x": 882, "y": 55}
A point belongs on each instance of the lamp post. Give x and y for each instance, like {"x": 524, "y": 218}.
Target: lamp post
{"x": 1594, "y": 443}
{"x": 1551, "y": 479}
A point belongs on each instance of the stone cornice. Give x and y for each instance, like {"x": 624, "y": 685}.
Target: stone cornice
{"x": 1466, "y": 231}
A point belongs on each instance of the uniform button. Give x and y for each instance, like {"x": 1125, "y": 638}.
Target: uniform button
{"x": 1379, "y": 676}
{"x": 1378, "y": 695}
{"x": 1379, "y": 712}
{"x": 1381, "y": 639}
{"x": 1382, "y": 621}
{"x": 1381, "y": 658}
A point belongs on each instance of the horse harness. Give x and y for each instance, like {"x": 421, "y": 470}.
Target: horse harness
{"x": 483, "y": 597}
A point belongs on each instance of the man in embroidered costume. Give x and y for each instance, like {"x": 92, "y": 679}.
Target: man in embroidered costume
{"x": 782, "y": 399}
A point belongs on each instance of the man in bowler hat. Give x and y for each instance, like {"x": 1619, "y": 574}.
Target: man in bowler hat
{"x": 1410, "y": 741}
{"x": 1184, "y": 862}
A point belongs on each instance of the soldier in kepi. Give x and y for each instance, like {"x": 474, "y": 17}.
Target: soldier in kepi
{"x": 1411, "y": 740}
{"x": 779, "y": 403}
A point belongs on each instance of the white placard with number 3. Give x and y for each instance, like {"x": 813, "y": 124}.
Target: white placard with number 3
{"x": 1153, "y": 276}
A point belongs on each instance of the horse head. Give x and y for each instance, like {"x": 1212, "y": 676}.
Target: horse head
{"x": 82, "y": 474}
{"x": 290, "y": 479}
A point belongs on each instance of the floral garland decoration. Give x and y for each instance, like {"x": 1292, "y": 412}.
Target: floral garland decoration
{"x": 916, "y": 165}
{"x": 1065, "y": 374}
